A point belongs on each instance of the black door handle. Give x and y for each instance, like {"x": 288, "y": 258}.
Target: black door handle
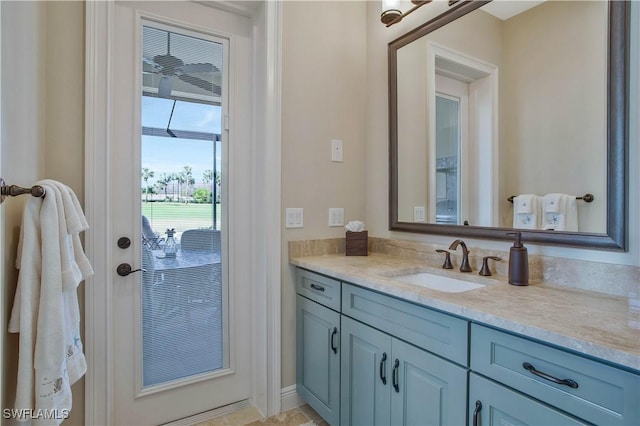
{"x": 333, "y": 334}
{"x": 125, "y": 269}
{"x": 317, "y": 287}
{"x": 383, "y": 368}
{"x": 476, "y": 413}
{"x": 395, "y": 375}
{"x": 567, "y": 382}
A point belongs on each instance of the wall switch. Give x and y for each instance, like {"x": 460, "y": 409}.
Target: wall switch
{"x": 418, "y": 214}
{"x": 294, "y": 218}
{"x": 336, "y": 150}
{"x": 336, "y": 217}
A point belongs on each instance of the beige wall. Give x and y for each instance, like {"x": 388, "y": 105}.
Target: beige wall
{"x": 323, "y": 98}
{"x": 42, "y": 131}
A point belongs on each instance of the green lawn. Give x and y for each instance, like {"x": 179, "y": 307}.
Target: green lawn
{"x": 180, "y": 216}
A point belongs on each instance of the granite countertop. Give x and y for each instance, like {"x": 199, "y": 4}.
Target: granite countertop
{"x": 596, "y": 324}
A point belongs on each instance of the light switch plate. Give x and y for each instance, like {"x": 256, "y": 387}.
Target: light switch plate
{"x": 336, "y": 217}
{"x": 294, "y": 217}
{"x": 418, "y": 214}
{"x": 336, "y": 150}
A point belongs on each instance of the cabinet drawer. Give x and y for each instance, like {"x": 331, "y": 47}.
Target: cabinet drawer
{"x": 600, "y": 394}
{"x": 319, "y": 288}
{"x": 491, "y": 404}
{"x": 434, "y": 331}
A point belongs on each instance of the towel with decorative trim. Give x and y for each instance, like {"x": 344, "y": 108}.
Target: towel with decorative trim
{"x": 560, "y": 213}
{"x": 45, "y": 310}
{"x": 526, "y": 211}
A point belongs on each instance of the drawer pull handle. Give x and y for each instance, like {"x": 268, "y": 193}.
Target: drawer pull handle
{"x": 476, "y": 413}
{"x": 567, "y": 382}
{"x": 317, "y": 287}
{"x": 334, "y": 348}
{"x": 383, "y": 368}
{"x": 395, "y": 376}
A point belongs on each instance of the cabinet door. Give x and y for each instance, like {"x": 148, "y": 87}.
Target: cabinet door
{"x": 366, "y": 380}
{"x": 494, "y": 404}
{"x": 318, "y": 358}
{"x": 426, "y": 390}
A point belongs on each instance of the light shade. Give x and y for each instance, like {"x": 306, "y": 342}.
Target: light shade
{"x": 391, "y": 13}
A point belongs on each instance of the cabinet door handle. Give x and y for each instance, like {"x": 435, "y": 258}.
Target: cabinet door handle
{"x": 567, "y": 382}
{"x": 476, "y": 413}
{"x": 334, "y": 348}
{"x": 383, "y": 368}
{"x": 317, "y": 287}
{"x": 395, "y": 375}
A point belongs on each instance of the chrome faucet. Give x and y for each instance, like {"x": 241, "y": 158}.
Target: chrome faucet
{"x": 464, "y": 266}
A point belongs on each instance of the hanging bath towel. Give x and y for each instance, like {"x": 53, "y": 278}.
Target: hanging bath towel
{"x": 45, "y": 310}
{"x": 560, "y": 212}
{"x": 526, "y": 211}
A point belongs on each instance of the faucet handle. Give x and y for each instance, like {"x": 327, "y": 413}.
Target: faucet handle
{"x": 447, "y": 259}
{"x": 485, "y": 267}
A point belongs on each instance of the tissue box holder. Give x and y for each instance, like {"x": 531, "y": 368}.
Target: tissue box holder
{"x": 356, "y": 243}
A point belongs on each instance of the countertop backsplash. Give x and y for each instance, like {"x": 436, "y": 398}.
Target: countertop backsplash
{"x": 617, "y": 280}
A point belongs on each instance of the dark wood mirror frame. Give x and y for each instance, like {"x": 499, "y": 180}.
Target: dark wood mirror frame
{"x": 617, "y": 141}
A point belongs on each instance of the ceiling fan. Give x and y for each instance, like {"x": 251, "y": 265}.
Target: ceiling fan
{"x": 170, "y": 67}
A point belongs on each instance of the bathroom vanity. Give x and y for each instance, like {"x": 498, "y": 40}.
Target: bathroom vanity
{"x": 373, "y": 349}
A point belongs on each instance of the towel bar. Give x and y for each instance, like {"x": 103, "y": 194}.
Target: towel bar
{"x": 14, "y": 190}
{"x": 587, "y": 198}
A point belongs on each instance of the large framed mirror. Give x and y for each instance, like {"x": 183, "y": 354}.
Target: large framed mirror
{"x": 486, "y": 104}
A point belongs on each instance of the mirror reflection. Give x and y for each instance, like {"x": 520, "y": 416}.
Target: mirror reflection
{"x": 502, "y": 103}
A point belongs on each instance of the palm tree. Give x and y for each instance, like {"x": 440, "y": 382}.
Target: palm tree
{"x": 180, "y": 178}
{"x": 163, "y": 183}
{"x": 146, "y": 175}
{"x": 189, "y": 180}
{"x": 207, "y": 176}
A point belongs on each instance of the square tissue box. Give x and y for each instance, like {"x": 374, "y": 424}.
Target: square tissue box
{"x": 356, "y": 243}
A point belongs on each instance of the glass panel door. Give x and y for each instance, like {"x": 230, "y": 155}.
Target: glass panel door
{"x": 183, "y": 292}
{"x": 447, "y": 159}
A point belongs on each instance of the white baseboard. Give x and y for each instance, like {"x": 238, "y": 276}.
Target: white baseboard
{"x": 290, "y": 399}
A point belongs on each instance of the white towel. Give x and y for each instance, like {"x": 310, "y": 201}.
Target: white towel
{"x": 45, "y": 310}
{"x": 526, "y": 211}
{"x": 525, "y": 203}
{"x": 560, "y": 213}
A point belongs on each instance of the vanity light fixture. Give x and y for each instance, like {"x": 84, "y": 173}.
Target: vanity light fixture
{"x": 391, "y": 13}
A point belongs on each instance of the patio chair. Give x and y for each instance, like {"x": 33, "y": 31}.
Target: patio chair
{"x": 149, "y": 238}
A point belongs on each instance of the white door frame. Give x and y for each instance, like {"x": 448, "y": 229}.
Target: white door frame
{"x": 264, "y": 258}
{"x": 481, "y": 97}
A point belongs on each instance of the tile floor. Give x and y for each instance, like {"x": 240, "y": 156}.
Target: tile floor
{"x": 250, "y": 416}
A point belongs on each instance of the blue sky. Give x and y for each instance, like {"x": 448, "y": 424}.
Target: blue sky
{"x": 170, "y": 155}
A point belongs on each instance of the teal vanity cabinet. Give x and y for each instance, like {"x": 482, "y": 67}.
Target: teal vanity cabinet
{"x": 386, "y": 380}
{"x": 318, "y": 343}
{"x": 542, "y": 384}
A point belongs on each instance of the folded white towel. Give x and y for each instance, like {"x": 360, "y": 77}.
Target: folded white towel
{"x": 525, "y": 203}
{"x": 552, "y": 203}
{"x": 45, "y": 310}
{"x": 526, "y": 211}
{"x": 560, "y": 213}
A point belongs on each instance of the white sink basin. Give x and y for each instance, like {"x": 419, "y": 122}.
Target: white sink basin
{"x": 437, "y": 282}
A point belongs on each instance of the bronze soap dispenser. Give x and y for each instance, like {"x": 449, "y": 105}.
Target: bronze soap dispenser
{"x": 518, "y": 262}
